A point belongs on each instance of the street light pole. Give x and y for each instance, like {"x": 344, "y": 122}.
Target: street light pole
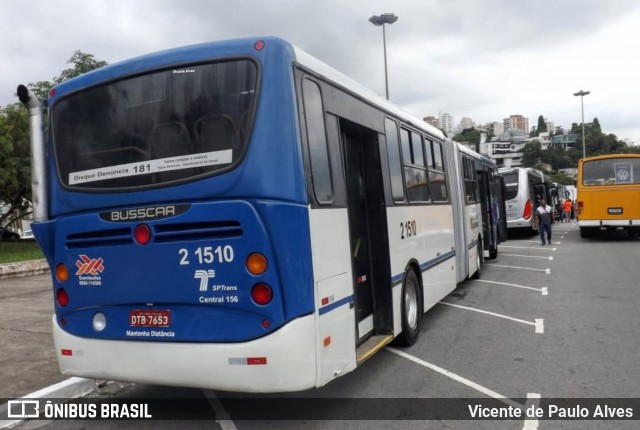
{"x": 582, "y": 94}
{"x": 381, "y": 20}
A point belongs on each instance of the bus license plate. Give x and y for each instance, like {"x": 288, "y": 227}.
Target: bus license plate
{"x": 140, "y": 318}
{"x": 615, "y": 211}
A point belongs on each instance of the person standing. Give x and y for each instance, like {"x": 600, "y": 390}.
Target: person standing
{"x": 568, "y": 207}
{"x": 545, "y": 219}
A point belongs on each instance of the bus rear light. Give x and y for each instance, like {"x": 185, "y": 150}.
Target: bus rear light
{"x": 527, "y": 210}
{"x": 266, "y": 324}
{"x": 256, "y": 264}
{"x": 142, "y": 234}
{"x": 52, "y": 93}
{"x": 62, "y": 273}
{"x": 62, "y": 298}
{"x": 261, "y": 294}
{"x": 259, "y": 46}
{"x": 580, "y": 207}
{"x": 99, "y": 321}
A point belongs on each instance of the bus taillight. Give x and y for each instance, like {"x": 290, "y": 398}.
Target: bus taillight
{"x": 62, "y": 298}
{"x": 527, "y": 210}
{"x": 580, "y": 207}
{"x": 256, "y": 264}
{"x": 261, "y": 294}
{"x": 142, "y": 234}
{"x": 62, "y": 273}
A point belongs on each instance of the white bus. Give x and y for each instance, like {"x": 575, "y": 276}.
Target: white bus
{"x": 243, "y": 205}
{"x": 525, "y": 187}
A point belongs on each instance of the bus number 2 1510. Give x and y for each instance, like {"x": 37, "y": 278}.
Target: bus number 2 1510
{"x": 208, "y": 255}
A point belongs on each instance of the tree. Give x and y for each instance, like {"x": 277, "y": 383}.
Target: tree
{"x": 542, "y": 125}
{"x": 82, "y": 63}
{"x": 15, "y": 167}
{"x": 470, "y": 135}
{"x": 531, "y": 153}
{"x": 15, "y": 162}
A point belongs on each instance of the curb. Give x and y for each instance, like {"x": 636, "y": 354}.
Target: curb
{"x": 23, "y": 268}
{"x": 67, "y": 389}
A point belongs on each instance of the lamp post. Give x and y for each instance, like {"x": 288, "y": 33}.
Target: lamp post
{"x": 381, "y": 20}
{"x": 582, "y": 94}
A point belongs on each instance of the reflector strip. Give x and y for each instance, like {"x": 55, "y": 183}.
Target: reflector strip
{"x": 247, "y": 361}
{"x": 335, "y": 305}
{"x": 67, "y": 352}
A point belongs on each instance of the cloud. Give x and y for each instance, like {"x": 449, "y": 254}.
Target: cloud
{"x": 485, "y": 60}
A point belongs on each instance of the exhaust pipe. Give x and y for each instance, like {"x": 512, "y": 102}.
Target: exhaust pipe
{"x": 38, "y": 166}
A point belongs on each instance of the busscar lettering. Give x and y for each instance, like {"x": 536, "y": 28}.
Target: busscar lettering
{"x": 143, "y": 213}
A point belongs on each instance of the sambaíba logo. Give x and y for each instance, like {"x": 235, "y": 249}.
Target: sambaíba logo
{"x": 89, "y": 266}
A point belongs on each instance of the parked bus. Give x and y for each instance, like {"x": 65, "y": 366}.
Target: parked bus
{"x": 609, "y": 194}
{"x": 240, "y": 216}
{"x": 525, "y": 187}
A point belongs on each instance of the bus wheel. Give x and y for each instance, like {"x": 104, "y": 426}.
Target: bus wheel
{"x": 411, "y": 309}
{"x": 478, "y": 272}
{"x": 586, "y": 232}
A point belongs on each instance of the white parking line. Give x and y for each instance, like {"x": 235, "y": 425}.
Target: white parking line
{"x": 550, "y": 258}
{"x": 222, "y": 417}
{"x": 533, "y": 401}
{"x": 538, "y": 324}
{"x": 534, "y": 248}
{"x": 455, "y": 377}
{"x": 547, "y": 270}
{"x": 544, "y": 291}
{"x": 537, "y": 241}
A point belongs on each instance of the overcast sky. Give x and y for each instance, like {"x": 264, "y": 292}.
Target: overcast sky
{"x": 481, "y": 59}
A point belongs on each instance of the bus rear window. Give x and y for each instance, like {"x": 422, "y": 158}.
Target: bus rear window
{"x": 511, "y": 184}
{"x": 164, "y": 126}
{"x": 611, "y": 171}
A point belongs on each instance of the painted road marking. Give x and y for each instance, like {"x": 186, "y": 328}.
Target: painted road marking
{"x": 544, "y": 291}
{"x": 455, "y": 377}
{"x": 547, "y": 270}
{"x": 537, "y": 241}
{"x": 222, "y": 416}
{"x": 538, "y": 324}
{"x": 527, "y": 256}
{"x": 533, "y": 400}
{"x": 534, "y": 248}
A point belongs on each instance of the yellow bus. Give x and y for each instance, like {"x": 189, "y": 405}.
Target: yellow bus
{"x": 609, "y": 194}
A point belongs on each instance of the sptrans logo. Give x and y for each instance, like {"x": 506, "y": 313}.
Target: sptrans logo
{"x": 89, "y": 270}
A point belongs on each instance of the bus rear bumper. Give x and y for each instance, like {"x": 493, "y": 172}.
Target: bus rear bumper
{"x": 610, "y": 223}
{"x": 283, "y": 361}
{"x": 519, "y": 223}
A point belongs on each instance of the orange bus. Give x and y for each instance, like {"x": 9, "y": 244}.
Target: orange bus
{"x": 609, "y": 194}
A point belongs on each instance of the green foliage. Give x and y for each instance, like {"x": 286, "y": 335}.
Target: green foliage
{"x": 82, "y": 63}
{"x": 15, "y": 162}
{"x": 542, "y": 126}
{"x": 531, "y": 153}
{"x": 470, "y": 135}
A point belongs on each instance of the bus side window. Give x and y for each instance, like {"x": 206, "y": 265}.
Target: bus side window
{"x": 317, "y": 141}
{"x": 395, "y": 163}
{"x": 415, "y": 172}
{"x": 437, "y": 177}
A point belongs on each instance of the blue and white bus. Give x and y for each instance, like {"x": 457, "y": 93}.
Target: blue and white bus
{"x": 240, "y": 216}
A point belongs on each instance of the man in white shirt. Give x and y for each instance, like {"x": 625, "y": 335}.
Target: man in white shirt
{"x": 545, "y": 219}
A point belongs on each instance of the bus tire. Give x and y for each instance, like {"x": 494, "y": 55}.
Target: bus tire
{"x": 586, "y": 232}
{"x": 411, "y": 309}
{"x": 478, "y": 272}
